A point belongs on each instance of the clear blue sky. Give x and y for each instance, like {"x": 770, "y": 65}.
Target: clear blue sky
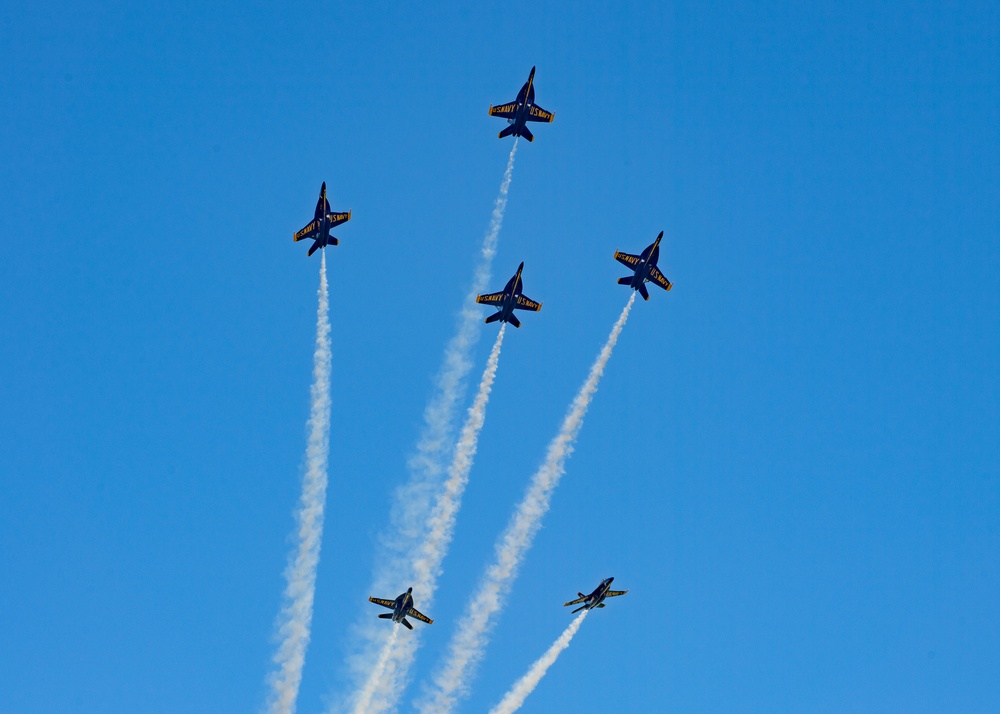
{"x": 792, "y": 461}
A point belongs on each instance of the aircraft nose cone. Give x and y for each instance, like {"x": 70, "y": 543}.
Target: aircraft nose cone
{"x": 409, "y": 590}
{"x": 610, "y": 580}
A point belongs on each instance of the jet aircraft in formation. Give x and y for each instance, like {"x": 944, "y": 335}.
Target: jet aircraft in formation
{"x": 517, "y": 113}
{"x": 509, "y": 299}
{"x": 645, "y": 269}
{"x": 596, "y": 598}
{"x": 323, "y": 221}
{"x": 521, "y": 110}
{"x": 401, "y": 607}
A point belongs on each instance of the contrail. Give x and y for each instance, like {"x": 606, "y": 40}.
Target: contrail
{"x": 413, "y": 502}
{"x": 295, "y": 618}
{"x": 364, "y": 700}
{"x": 440, "y": 528}
{"x": 470, "y": 640}
{"x": 513, "y": 700}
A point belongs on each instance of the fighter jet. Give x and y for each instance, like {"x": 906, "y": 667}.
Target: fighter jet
{"x": 323, "y": 220}
{"x": 508, "y": 300}
{"x": 521, "y": 110}
{"x": 645, "y": 269}
{"x": 401, "y": 607}
{"x": 596, "y": 598}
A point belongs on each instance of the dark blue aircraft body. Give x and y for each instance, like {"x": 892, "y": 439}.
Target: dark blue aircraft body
{"x": 522, "y": 110}
{"x": 509, "y": 299}
{"x": 323, "y": 221}
{"x": 645, "y": 269}
{"x": 401, "y": 607}
{"x": 596, "y": 598}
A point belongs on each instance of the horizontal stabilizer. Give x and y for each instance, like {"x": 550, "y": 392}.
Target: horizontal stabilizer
{"x": 313, "y": 249}
{"x": 578, "y": 610}
{"x": 506, "y": 132}
{"x": 601, "y": 605}
{"x": 527, "y": 134}
{"x": 493, "y": 318}
{"x": 625, "y": 281}
{"x": 643, "y": 291}
{"x": 385, "y": 616}
{"x": 513, "y": 320}
{"x": 332, "y": 241}
{"x": 407, "y": 623}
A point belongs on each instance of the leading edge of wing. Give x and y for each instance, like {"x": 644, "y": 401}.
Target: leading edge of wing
{"x": 575, "y": 602}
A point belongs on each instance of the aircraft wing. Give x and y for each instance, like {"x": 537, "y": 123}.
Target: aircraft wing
{"x": 536, "y": 113}
{"x": 627, "y": 259}
{"x": 575, "y": 602}
{"x": 657, "y": 277}
{"x": 337, "y": 218}
{"x": 615, "y": 593}
{"x": 490, "y": 299}
{"x": 310, "y": 231}
{"x": 526, "y": 303}
{"x": 391, "y": 604}
{"x": 413, "y": 612}
{"x": 507, "y": 111}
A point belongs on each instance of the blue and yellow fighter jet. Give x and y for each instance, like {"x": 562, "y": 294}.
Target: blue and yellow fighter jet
{"x": 645, "y": 269}
{"x": 323, "y": 220}
{"x": 521, "y": 110}
{"x": 596, "y": 598}
{"x": 401, "y": 607}
{"x": 509, "y": 299}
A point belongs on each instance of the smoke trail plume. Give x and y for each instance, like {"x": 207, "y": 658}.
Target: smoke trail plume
{"x": 414, "y": 501}
{"x": 440, "y": 528}
{"x": 295, "y": 618}
{"x": 364, "y": 699}
{"x": 513, "y": 699}
{"x": 470, "y": 640}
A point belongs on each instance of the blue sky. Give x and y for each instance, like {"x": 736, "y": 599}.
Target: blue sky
{"x": 792, "y": 460}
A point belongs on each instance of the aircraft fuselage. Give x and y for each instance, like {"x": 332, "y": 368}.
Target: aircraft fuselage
{"x": 647, "y": 260}
{"x": 403, "y": 604}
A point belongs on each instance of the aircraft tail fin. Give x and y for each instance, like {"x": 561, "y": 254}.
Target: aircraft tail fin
{"x": 625, "y": 280}
{"x": 506, "y": 132}
{"x": 492, "y": 318}
{"x": 513, "y": 320}
{"x": 580, "y": 594}
{"x": 407, "y": 623}
{"x": 601, "y": 605}
{"x": 643, "y": 291}
{"x": 386, "y": 616}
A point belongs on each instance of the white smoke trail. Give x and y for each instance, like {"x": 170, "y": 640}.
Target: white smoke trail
{"x": 470, "y": 640}
{"x": 413, "y": 502}
{"x": 365, "y": 695}
{"x": 295, "y": 618}
{"x": 513, "y": 699}
{"x": 440, "y": 528}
